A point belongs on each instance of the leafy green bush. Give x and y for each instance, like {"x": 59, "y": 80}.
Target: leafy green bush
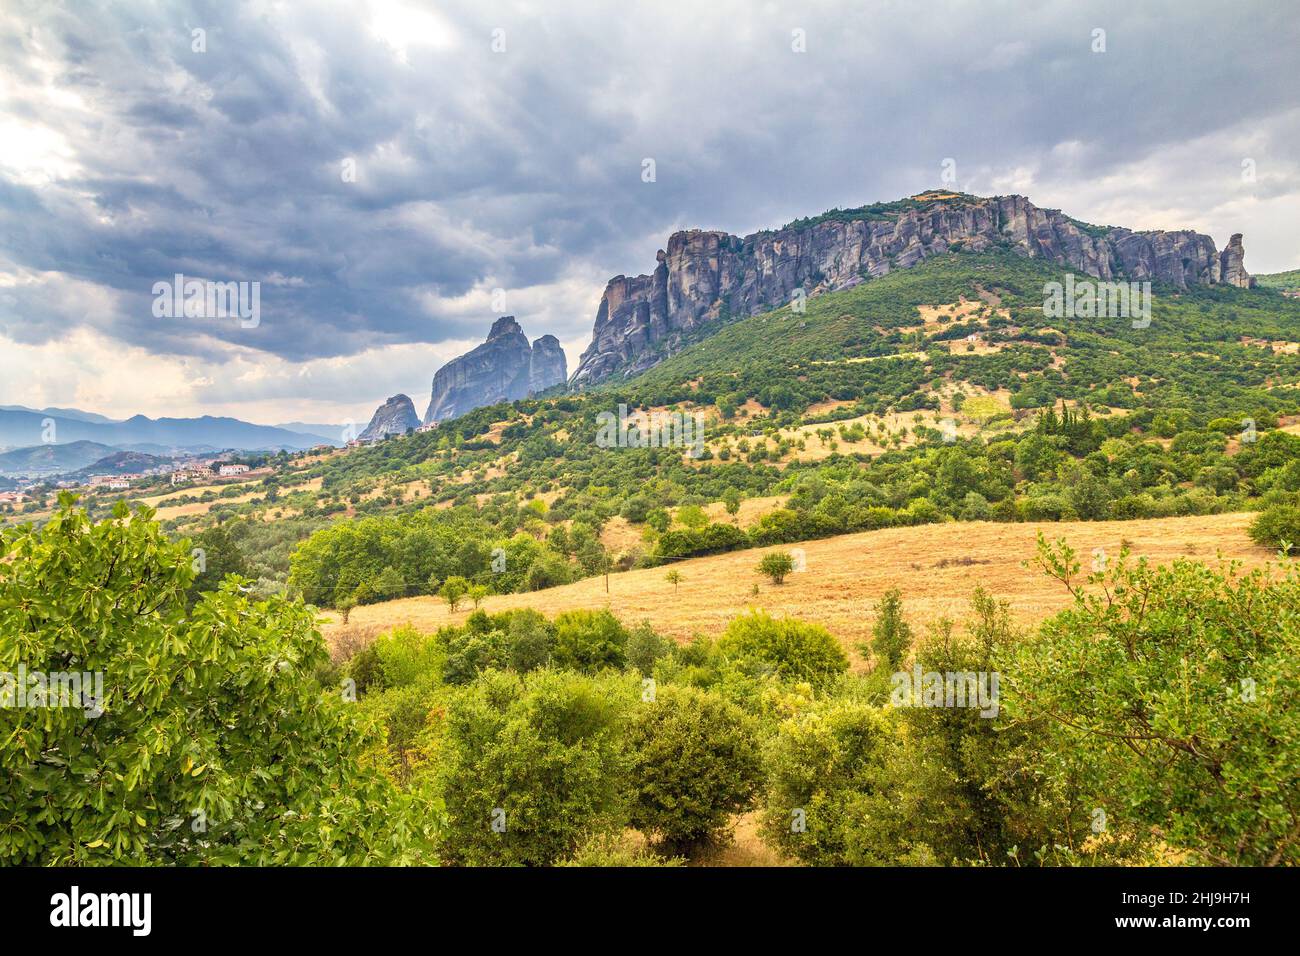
{"x": 695, "y": 761}
{"x": 645, "y": 646}
{"x": 530, "y": 640}
{"x": 209, "y": 741}
{"x": 1175, "y": 687}
{"x": 588, "y": 641}
{"x": 776, "y": 565}
{"x": 891, "y": 636}
{"x": 1277, "y": 527}
{"x": 406, "y": 656}
{"x": 470, "y": 651}
{"x": 365, "y": 669}
{"x": 824, "y": 803}
{"x": 792, "y": 649}
{"x": 533, "y": 767}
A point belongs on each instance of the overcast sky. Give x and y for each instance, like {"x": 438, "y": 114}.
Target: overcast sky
{"x": 501, "y": 146}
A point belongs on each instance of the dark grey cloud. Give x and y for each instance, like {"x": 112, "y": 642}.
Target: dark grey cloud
{"x": 141, "y": 158}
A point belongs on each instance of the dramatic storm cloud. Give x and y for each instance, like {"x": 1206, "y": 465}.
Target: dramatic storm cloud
{"x": 383, "y": 168}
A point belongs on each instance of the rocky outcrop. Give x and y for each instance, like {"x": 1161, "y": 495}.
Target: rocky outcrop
{"x": 547, "y": 366}
{"x": 1232, "y": 268}
{"x": 703, "y": 276}
{"x": 395, "y": 417}
{"x": 505, "y": 368}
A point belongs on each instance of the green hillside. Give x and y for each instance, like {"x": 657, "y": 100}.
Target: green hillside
{"x": 52, "y": 459}
{"x": 841, "y": 412}
{"x": 1191, "y": 353}
{"x": 1280, "y": 280}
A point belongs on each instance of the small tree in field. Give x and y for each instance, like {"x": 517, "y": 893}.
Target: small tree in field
{"x": 477, "y": 593}
{"x": 345, "y": 607}
{"x": 674, "y": 578}
{"x": 453, "y": 591}
{"x": 891, "y": 636}
{"x": 731, "y": 501}
{"x": 776, "y": 565}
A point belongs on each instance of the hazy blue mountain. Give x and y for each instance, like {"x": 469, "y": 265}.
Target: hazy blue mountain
{"x": 25, "y": 428}
{"x": 73, "y": 413}
{"x": 328, "y": 433}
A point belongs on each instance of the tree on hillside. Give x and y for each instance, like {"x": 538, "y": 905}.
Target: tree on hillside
{"x": 891, "y": 635}
{"x": 533, "y": 767}
{"x": 345, "y": 607}
{"x": 692, "y": 516}
{"x": 198, "y": 737}
{"x": 673, "y": 577}
{"x": 776, "y": 565}
{"x": 695, "y": 762}
{"x": 1277, "y": 527}
{"x": 731, "y": 501}
{"x": 453, "y": 591}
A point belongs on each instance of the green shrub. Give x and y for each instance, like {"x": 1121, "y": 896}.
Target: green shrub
{"x": 1175, "y": 690}
{"x": 533, "y": 767}
{"x": 825, "y": 803}
{"x": 406, "y": 655}
{"x": 1277, "y": 527}
{"x": 530, "y": 641}
{"x": 891, "y": 636}
{"x": 588, "y": 641}
{"x": 365, "y": 669}
{"x": 695, "y": 761}
{"x": 645, "y": 646}
{"x": 792, "y": 649}
{"x": 776, "y": 565}
{"x": 470, "y": 651}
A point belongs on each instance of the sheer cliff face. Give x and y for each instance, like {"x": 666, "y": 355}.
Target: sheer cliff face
{"x": 395, "y": 417}
{"x": 640, "y": 319}
{"x": 547, "y": 366}
{"x": 505, "y": 368}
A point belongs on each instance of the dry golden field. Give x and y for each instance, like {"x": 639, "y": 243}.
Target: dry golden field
{"x": 936, "y": 567}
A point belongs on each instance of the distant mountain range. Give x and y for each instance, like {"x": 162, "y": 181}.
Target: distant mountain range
{"x": 22, "y": 428}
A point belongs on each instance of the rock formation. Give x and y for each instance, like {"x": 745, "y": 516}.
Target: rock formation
{"x": 547, "y": 365}
{"x": 505, "y": 368}
{"x": 1232, "y": 268}
{"x": 395, "y": 417}
{"x": 703, "y": 276}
